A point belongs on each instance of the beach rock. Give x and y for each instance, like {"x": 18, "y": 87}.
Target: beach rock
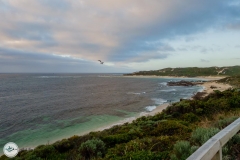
{"x": 181, "y": 83}
{"x": 212, "y": 87}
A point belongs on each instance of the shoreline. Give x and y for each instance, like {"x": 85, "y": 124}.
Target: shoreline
{"x": 158, "y": 109}
{"x": 197, "y": 77}
{"x": 206, "y": 89}
{"x": 210, "y": 86}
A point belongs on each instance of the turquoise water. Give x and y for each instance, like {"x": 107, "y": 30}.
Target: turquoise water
{"x": 46, "y": 134}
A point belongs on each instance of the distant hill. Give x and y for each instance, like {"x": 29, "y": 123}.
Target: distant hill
{"x": 193, "y": 71}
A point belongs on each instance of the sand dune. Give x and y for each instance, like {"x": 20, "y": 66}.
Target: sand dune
{"x": 209, "y": 87}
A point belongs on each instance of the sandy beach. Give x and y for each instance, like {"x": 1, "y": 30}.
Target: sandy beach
{"x": 210, "y": 86}
{"x": 198, "y": 77}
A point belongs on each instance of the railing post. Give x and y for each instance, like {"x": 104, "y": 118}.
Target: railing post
{"x": 218, "y": 155}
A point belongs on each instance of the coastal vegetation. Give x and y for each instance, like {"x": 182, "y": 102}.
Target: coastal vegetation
{"x": 175, "y": 133}
{"x": 192, "y": 71}
{"x": 233, "y": 81}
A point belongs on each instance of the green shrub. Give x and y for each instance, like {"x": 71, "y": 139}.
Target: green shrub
{"x": 234, "y": 101}
{"x": 132, "y": 146}
{"x": 44, "y": 151}
{"x": 94, "y": 148}
{"x": 199, "y": 111}
{"x": 225, "y": 122}
{"x": 179, "y": 108}
{"x": 152, "y": 144}
{"x": 169, "y": 128}
{"x": 162, "y": 143}
{"x": 182, "y": 150}
{"x": 190, "y": 117}
{"x": 201, "y": 135}
{"x": 232, "y": 148}
{"x": 63, "y": 145}
{"x": 31, "y": 157}
{"x": 145, "y": 155}
{"x": 112, "y": 140}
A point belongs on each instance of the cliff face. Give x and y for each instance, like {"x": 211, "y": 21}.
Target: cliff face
{"x": 193, "y": 71}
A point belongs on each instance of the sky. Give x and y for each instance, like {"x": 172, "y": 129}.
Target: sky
{"x": 70, "y": 36}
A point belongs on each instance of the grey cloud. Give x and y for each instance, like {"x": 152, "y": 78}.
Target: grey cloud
{"x": 62, "y": 5}
{"x": 195, "y": 16}
{"x": 33, "y": 32}
{"x": 12, "y": 60}
{"x": 166, "y": 48}
{"x": 182, "y": 49}
{"x": 141, "y": 52}
{"x": 129, "y": 51}
{"x": 16, "y": 55}
{"x": 208, "y": 50}
{"x": 5, "y": 6}
{"x": 116, "y": 33}
{"x": 235, "y": 26}
{"x": 149, "y": 56}
{"x": 198, "y": 48}
{"x": 141, "y": 57}
{"x": 189, "y": 39}
{"x": 91, "y": 47}
{"x": 204, "y": 50}
{"x": 203, "y": 60}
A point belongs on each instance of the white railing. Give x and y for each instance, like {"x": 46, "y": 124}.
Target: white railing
{"x": 212, "y": 149}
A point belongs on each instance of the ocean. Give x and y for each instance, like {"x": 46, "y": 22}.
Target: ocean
{"x": 43, "y": 108}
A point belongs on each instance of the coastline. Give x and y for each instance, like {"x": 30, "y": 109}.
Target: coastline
{"x": 207, "y": 89}
{"x": 210, "y": 86}
{"x": 131, "y": 119}
{"x": 198, "y": 77}
{"x": 159, "y": 108}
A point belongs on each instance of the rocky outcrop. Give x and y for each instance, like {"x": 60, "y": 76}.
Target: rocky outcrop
{"x": 181, "y": 83}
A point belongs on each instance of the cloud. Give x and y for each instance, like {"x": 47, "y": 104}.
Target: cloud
{"x": 189, "y": 39}
{"x": 12, "y": 60}
{"x": 206, "y": 61}
{"x": 114, "y": 31}
{"x": 235, "y": 26}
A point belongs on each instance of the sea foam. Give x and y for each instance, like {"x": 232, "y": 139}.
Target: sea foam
{"x": 168, "y": 90}
{"x": 150, "y": 108}
{"x": 159, "y": 101}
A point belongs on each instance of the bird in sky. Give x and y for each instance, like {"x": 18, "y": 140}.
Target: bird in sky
{"x": 100, "y": 61}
